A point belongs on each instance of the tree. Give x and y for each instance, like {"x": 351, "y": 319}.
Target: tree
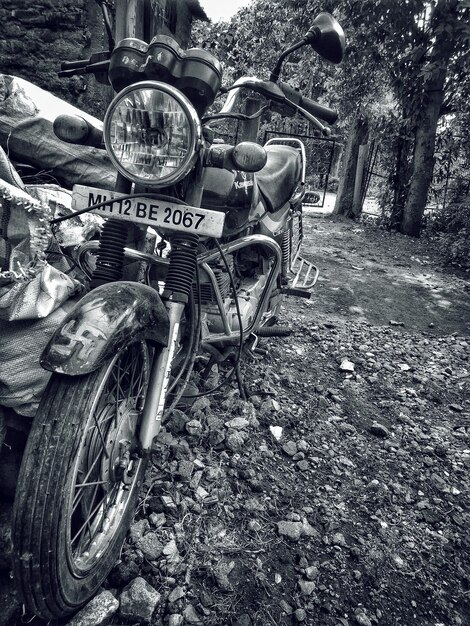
{"x": 406, "y": 67}
{"x": 421, "y": 49}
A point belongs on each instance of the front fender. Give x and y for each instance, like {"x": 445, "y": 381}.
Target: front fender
{"x": 103, "y": 322}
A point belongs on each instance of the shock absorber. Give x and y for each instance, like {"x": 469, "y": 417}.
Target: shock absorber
{"x": 286, "y": 253}
{"x": 182, "y": 267}
{"x": 110, "y": 259}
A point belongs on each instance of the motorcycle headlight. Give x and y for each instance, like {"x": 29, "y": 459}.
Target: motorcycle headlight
{"x": 152, "y": 132}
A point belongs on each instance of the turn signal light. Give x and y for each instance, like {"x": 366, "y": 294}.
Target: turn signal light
{"x": 75, "y": 129}
{"x": 249, "y": 157}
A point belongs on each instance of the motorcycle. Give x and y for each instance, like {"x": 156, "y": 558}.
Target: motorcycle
{"x": 229, "y": 225}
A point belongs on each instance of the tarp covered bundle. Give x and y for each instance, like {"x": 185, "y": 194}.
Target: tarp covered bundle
{"x": 38, "y": 282}
{"x": 27, "y": 114}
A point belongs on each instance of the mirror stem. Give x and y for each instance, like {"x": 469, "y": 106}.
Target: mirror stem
{"x": 277, "y": 69}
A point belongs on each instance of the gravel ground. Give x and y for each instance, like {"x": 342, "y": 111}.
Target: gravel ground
{"x": 338, "y": 493}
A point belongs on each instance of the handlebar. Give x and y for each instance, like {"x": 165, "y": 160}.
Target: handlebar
{"x": 74, "y": 65}
{"x": 98, "y": 62}
{"x": 314, "y": 108}
{"x": 281, "y": 94}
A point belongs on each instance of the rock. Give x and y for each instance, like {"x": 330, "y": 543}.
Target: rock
{"x": 346, "y": 366}
{"x": 255, "y": 401}
{"x": 177, "y": 422}
{"x": 191, "y": 616}
{"x": 185, "y": 469}
{"x": 440, "y": 450}
{"x": 290, "y": 448}
{"x": 167, "y": 502}
{"x": 339, "y": 540}
{"x": 124, "y": 572}
{"x": 235, "y": 441}
{"x": 308, "y": 530}
{"x": 138, "y": 601}
{"x": 237, "y": 423}
{"x": 200, "y": 404}
{"x": 300, "y": 615}
{"x": 269, "y": 406}
{"x": 157, "y": 519}
{"x": 303, "y": 466}
{"x": 276, "y": 432}
{"x": 221, "y": 572}
{"x": 151, "y": 546}
{"x": 456, "y": 407}
{"x": 291, "y": 530}
{"x": 287, "y": 608}
{"x": 307, "y": 587}
{"x": 362, "y": 619}
{"x": 311, "y": 572}
{"x": 170, "y": 548}
{"x": 379, "y": 430}
{"x": 194, "y": 428}
{"x": 175, "y": 619}
{"x": 346, "y": 428}
{"x": 201, "y": 493}
{"x": 176, "y": 594}
{"x": 138, "y": 529}
{"x": 98, "y": 611}
{"x": 394, "y": 323}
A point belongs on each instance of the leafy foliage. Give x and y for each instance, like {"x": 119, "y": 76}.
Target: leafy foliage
{"x": 399, "y": 55}
{"x": 452, "y": 228}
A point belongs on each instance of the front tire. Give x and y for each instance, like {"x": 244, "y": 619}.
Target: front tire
{"x": 79, "y": 483}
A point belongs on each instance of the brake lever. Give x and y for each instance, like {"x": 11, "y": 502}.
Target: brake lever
{"x": 315, "y": 121}
{"x": 238, "y": 116}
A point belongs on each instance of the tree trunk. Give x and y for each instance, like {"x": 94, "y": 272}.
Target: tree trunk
{"x": 345, "y": 195}
{"x": 423, "y": 166}
{"x": 400, "y": 178}
{"x": 433, "y": 95}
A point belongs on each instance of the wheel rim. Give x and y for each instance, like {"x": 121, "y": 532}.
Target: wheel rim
{"x": 107, "y": 466}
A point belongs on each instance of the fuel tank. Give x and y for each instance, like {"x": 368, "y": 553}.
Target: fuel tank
{"x": 236, "y": 194}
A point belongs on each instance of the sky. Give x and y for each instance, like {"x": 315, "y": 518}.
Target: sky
{"x": 221, "y": 9}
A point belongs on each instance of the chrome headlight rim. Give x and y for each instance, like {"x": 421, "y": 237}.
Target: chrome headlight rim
{"x": 195, "y": 126}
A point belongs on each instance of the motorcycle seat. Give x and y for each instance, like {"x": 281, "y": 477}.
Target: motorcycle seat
{"x": 280, "y": 176}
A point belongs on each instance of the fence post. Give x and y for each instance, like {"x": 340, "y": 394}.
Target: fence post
{"x": 360, "y": 167}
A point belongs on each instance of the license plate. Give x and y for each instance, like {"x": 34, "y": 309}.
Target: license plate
{"x": 153, "y": 212}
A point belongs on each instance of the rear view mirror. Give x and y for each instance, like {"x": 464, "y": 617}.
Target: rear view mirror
{"x": 327, "y": 38}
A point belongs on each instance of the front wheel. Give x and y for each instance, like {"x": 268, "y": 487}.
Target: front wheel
{"x": 79, "y": 483}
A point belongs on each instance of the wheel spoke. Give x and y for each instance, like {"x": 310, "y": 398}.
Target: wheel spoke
{"x": 90, "y": 515}
{"x": 101, "y": 435}
{"x": 97, "y": 482}
{"x": 98, "y": 498}
{"x": 84, "y": 480}
{"x": 87, "y": 521}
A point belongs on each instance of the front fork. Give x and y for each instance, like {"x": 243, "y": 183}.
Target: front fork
{"x": 159, "y": 379}
{"x": 178, "y": 284}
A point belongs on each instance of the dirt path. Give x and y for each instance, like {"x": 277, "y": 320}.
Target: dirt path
{"x": 375, "y": 276}
{"x": 338, "y": 495}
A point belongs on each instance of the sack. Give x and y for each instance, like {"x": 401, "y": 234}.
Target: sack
{"x": 22, "y": 379}
{"x": 27, "y": 113}
{"x": 24, "y": 234}
{"x": 38, "y": 297}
